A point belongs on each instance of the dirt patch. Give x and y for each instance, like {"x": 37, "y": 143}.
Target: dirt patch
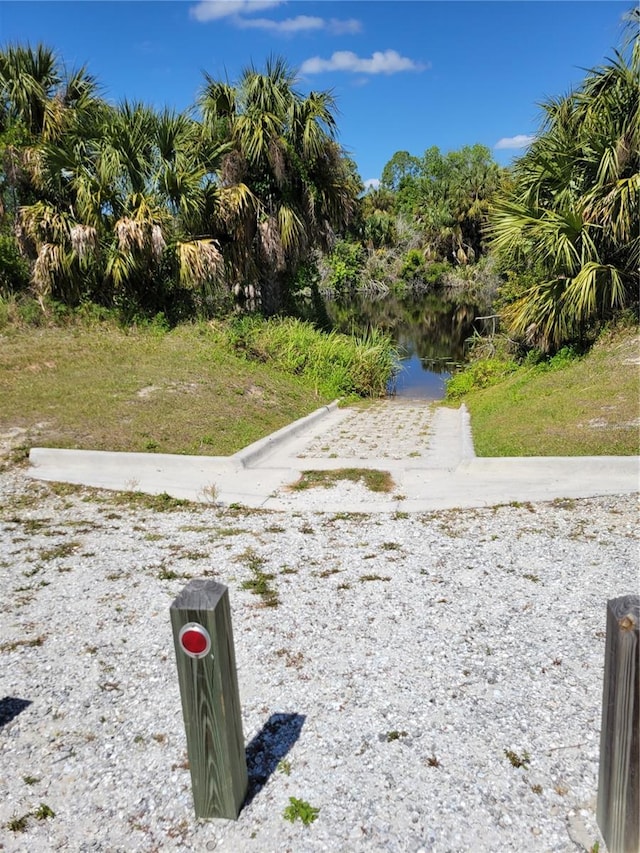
{"x": 17, "y": 437}
{"x": 170, "y": 388}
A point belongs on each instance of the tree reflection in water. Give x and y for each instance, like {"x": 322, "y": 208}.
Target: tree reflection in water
{"x": 430, "y": 333}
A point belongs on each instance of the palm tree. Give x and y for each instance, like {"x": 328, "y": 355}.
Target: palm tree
{"x": 573, "y": 212}
{"x": 283, "y": 149}
{"x": 39, "y": 102}
{"x": 29, "y": 80}
{"x": 127, "y": 216}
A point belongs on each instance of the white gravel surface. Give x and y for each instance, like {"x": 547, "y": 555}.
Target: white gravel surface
{"x": 406, "y": 656}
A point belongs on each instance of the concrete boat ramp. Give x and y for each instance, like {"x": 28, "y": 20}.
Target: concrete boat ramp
{"x": 427, "y": 449}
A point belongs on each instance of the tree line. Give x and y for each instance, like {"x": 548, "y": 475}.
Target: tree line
{"x": 249, "y": 200}
{"x": 165, "y": 211}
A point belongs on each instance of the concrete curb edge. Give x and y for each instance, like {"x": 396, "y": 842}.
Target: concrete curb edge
{"x": 251, "y": 454}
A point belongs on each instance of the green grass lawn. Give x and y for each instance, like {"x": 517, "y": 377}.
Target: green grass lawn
{"x": 188, "y": 391}
{"x": 183, "y": 391}
{"x": 590, "y": 407}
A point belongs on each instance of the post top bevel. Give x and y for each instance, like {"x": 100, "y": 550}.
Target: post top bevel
{"x": 199, "y": 594}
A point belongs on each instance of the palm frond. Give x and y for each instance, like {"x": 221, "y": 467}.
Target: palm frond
{"x": 84, "y": 240}
{"x": 292, "y": 230}
{"x": 199, "y": 261}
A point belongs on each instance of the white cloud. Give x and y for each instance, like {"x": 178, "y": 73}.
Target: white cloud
{"x": 213, "y": 10}
{"x": 519, "y": 141}
{"x": 371, "y": 184}
{"x": 289, "y": 25}
{"x": 236, "y": 12}
{"x": 341, "y": 28}
{"x": 381, "y": 62}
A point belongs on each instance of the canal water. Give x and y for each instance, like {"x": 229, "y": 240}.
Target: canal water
{"x": 429, "y": 332}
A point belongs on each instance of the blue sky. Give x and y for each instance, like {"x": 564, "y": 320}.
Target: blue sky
{"x": 407, "y": 74}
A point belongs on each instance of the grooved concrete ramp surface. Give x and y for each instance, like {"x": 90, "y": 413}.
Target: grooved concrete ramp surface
{"x": 428, "y": 450}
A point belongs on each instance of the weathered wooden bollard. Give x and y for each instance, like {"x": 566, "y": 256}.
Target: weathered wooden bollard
{"x": 203, "y": 639}
{"x": 618, "y": 810}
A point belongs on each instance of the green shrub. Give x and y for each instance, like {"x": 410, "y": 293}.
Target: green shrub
{"x": 14, "y": 269}
{"x": 434, "y": 274}
{"x": 480, "y": 374}
{"x": 345, "y": 265}
{"x": 412, "y": 265}
{"x": 340, "y": 365}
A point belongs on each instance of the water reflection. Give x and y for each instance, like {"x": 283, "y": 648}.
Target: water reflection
{"x": 429, "y": 332}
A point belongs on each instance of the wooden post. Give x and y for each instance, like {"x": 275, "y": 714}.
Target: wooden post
{"x": 210, "y": 698}
{"x": 618, "y": 810}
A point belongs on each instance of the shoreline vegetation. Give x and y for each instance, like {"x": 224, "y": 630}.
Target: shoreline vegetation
{"x": 213, "y": 388}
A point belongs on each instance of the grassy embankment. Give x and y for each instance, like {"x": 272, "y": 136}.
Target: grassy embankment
{"x": 588, "y": 406}
{"x": 206, "y": 389}
{"x": 213, "y": 389}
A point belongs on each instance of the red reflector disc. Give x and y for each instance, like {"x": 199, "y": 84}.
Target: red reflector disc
{"x": 194, "y": 640}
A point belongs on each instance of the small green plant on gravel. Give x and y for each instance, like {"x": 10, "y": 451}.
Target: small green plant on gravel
{"x": 30, "y": 780}
{"x": 43, "y": 812}
{"x": 348, "y": 516}
{"x": 18, "y": 824}
{"x": 374, "y": 577}
{"x": 259, "y": 583}
{"x": 194, "y": 555}
{"x": 157, "y": 503}
{"x": 300, "y": 810}
{"x": 65, "y": 549}
{"x": 284, "y": 766}
{"x": 231, "y": 531}
{"x": 395, "y": 735}
{"x": 326, "y": 573}
{"x": 518, "y": 760}
{"x": 167, "y": 575}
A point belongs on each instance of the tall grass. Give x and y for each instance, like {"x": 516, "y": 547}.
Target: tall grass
{"x": 338, "y": 364}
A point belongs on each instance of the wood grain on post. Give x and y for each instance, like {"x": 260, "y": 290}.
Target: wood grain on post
{"x": 619, "y": 779}
{"x": 211, "y": 702}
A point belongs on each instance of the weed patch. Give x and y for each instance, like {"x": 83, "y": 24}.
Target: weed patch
{"x": 300, "y": 810}
{"x": 373, "y": 479}
{"x": 518, "y": 760}
{"x": 259, "y": 584}
{"x": 15, "y": 644}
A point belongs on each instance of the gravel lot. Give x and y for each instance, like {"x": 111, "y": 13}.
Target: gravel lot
{"x": 406, "y": 657}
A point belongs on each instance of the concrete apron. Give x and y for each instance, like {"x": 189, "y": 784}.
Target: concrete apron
{"x": 448, "y": 476}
